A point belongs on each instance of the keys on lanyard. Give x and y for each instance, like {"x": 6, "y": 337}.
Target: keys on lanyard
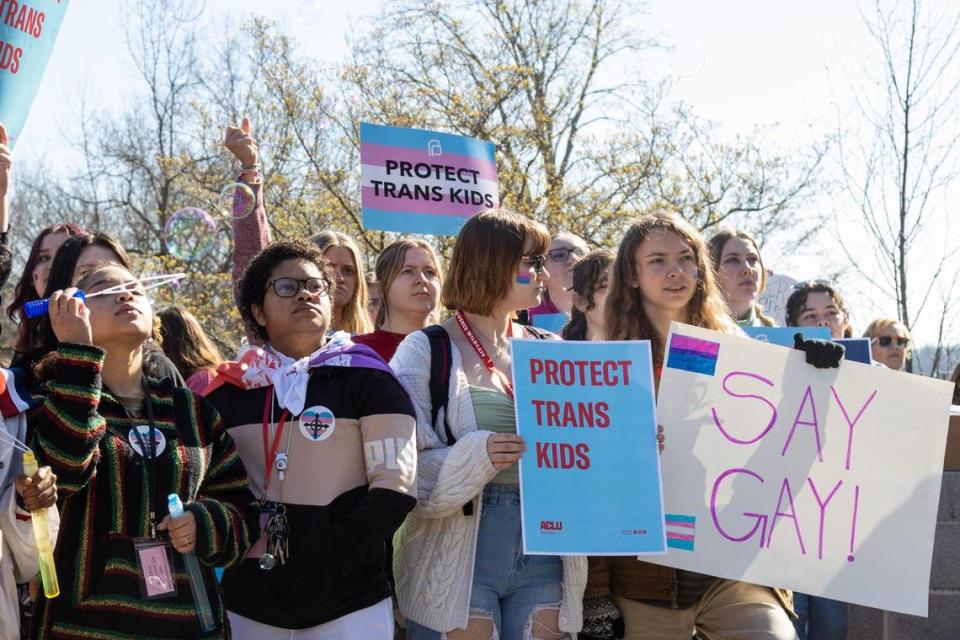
{"x": 278, "y": 539}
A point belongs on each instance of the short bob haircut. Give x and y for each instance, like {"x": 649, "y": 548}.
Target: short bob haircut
{"x": 252, "y": 286}
{"x": 390, "y": 264}
{"x": 486, "y": 256}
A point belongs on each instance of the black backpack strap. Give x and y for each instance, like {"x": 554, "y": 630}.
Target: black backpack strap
{"x": 441, "y": 361}
{"x": 538, "y": 333}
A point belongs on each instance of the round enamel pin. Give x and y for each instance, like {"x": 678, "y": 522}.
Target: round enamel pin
{"x": 317, "y": 423}
{"x": 144, "y": 432}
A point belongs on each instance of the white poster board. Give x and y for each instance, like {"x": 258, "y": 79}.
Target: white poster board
{"x": 775, "y": 295}
{"x": 825, "y": 481}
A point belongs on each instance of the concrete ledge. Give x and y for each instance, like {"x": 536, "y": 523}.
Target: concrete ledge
{"x": 944, "y": 620}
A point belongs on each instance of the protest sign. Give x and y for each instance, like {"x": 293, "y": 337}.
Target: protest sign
{"x": 424, "y": 181}
{"x": 856, "y": 349}
{"x": 783, "y": 336}
{"x": 590, "y": 477}
{"x": 825, "y": 481}
{"x": 28, "y": 31}
{"x": 774, "y": 297}
{"x": 553, "y": 322}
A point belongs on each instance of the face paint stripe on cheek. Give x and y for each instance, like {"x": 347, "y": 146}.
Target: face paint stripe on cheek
{"x": 523, "y": 278}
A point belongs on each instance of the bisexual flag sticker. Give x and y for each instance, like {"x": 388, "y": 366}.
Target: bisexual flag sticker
{"x": 693, "y": 354}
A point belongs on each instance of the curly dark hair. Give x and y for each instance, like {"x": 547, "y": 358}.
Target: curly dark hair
{"x": 252, "y": 286}
{"x": 798, "y": 300}
{"x": 587, "y": 273}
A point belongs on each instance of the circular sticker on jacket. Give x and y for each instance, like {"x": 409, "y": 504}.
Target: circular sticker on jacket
{"x": 144, "y": 431}
{"x": 317, "y": 423}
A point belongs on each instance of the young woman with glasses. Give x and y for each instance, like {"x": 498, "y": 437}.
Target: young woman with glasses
{"x": 327, "y": 435}
{"x": 557, "y": 302}
{"x": 120, "y": 441}
{"x": 889, "y": 342}
{"x": 458, "y": 561}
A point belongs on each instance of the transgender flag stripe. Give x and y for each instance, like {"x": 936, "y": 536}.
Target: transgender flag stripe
{"x": 681, "y": 530}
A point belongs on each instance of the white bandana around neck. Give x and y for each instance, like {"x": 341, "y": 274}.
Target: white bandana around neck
{"x": 289, "y": 377}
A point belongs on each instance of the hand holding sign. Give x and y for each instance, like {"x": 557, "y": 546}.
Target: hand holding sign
{"x": 504, "y": 449}
{"x": 240, "y": 143}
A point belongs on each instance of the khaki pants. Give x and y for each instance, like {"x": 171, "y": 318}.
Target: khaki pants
{"x": 729, "y": 610}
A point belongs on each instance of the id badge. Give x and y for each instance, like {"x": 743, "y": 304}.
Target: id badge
{"x": 155, "y": 567}
{"x": 267, "y": 511}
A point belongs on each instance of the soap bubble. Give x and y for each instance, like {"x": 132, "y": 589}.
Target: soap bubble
{"x": 190, "y": 234}
{"x": 236, "y": 201}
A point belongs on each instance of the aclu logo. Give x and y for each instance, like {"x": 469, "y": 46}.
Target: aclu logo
{"x": 551, "y": 526}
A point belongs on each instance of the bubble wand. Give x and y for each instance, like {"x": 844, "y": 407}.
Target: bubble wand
{"x": 193, "y": 572}
{"x": 36, "y": 308}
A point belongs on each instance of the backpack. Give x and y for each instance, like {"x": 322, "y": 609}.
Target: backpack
{"x": 441, "y": 359}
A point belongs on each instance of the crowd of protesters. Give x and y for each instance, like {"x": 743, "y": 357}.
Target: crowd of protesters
{"x": 353, "y": 470}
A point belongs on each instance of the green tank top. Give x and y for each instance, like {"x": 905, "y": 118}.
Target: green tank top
{"x": 494, "y": 412}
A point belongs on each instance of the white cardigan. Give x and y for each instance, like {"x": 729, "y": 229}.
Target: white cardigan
{"x": 435, "y": 547}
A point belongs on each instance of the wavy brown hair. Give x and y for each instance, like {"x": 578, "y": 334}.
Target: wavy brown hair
{"x": 716, "y": 245}
{"x": 186, "y": 343}
{"x": 624, "y": 316}
{"x": 587, "y": 273}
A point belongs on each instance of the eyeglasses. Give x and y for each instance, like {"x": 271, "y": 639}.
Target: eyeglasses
{"x": 537, "y": 263}
{"x": 886, "y": 341}
{"x": 289, "y": 287}
{"x": 561, "y": 254}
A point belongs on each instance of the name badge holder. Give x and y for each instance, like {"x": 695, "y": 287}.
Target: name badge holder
{"x": 154, "y": 556}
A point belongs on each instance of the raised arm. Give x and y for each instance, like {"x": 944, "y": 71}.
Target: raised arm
{"x": 251, "y": 233}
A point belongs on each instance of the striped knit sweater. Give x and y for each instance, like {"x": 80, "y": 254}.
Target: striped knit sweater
{"x": 82, "y": 432}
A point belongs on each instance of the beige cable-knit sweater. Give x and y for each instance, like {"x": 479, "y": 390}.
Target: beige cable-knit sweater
{"x": 435, "y": 547}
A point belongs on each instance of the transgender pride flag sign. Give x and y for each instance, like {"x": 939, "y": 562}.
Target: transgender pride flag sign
{"x": 424, "y": 181}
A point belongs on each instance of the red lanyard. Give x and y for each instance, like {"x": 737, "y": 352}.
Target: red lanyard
{"x": 501, "y": 381}
{"x": 270, "y": 450}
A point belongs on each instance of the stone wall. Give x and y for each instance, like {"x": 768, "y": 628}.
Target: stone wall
{"x": 943, "y": 622}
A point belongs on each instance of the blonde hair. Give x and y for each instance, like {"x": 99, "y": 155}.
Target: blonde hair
{"x": 624, "y": 315}
{"x": 878, "y": 326}
{"x": 390, "y": 263}
{"x": 353, "y": 315}
{"x": 486, "y": 256}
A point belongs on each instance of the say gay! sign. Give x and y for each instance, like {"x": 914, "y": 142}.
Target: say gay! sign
{"x": 424, "y": 181}
{"x": 825, "y": 481}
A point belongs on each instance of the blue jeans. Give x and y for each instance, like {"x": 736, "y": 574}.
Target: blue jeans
{"x": 820, "y": 618}
{"x": 508, "y": 586}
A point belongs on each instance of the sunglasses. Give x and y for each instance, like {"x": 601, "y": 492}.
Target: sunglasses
{"x": 561, "y": 254}
{"x": 289, "y": 287}
{"x": 537, "y": 263}
{"x": 886, "y": 341}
